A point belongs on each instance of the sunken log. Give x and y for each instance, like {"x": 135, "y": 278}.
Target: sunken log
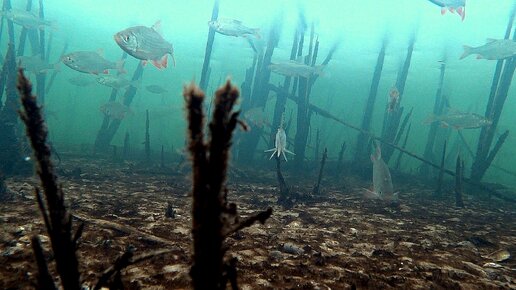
{"x": 392, "y": 119}
{"x": 209, "y": 47}
{"x": 23, "y": 33}
{"x": 404, "y": 145}
{"x": 340, "y": 159}
{"x": 362, "y": 152}
{"x": 109, "y": 127}
{"x": 284, "y": 198}
{"x": 434, "y": 127}
{"x": 499, "y": 92}
{"x": 55, "y": 214}
{"x": 213, "y": 219}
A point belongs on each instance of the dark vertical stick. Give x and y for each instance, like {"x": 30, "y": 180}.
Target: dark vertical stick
{"x": 23, "y": 33}
{"x": 209, "y": 169}
{"x": 392, "y": 119}
{"x": 284, "y": 196}
{"x": 162, "y": 156}
{"x": 340, "y": 158}
{"x": 398, "y": 161}
{"x": 497, "y": 97}
{"x": 459, "y": 175}
{"x": 317, "y": 144}
{"x": 361, "y": 150}
{"x": 41, "y": 77}
{"x": 209, "y": 45}
{"x": 439, "y": 191}
{"x": 126, "y": 145}
{"x": 54, "y": 73}
{"x": 56, "y": 215}
{"x": 45, "y": 280}
{"x": 147, "y": 137}
{"x": 316, "y": 190}
{"x": 434, "y": 127}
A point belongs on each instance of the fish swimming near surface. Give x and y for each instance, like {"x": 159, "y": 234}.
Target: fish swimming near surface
{"x": 27, "y": 19}
{"x": 494, "y": 49}
{"x": 147, "y": 44}
{"x": 115, "y": 110}
{"x": 116, "y": 82}
{"x": 382, "y": 182}
{"x": 459, "y": 120}
{"x": 296, "y": 69}
{"x": 35, "y": 64}
{"x": 458, "y": 6}
{"x": 91, "y": 62}
{"x": 232, "y": 27}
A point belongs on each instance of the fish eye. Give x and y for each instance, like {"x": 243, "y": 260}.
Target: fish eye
{"x": 126, "y": 38}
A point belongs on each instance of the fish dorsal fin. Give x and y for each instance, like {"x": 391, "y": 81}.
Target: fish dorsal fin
{"x": 157, "y": 27}
{"x": 100, "y": 51}
{"x": 489, "y": 40}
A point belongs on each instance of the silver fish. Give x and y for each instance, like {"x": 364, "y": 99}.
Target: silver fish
{"x": 146, "y": 44}
{"x": 499, "y": 256}
{"x": 35, "y": 64}
{"x": 27, "y": 19}
{"x": 296, "y": 69}
{"x": 115, "y": 110}
{"x": 492, "y": 50}
{"x": 458, "y": 120}
{"x": 232, "y": 27}
{"x": 81, "y": 81}
{"x": 382, "y": 182}
{"x": 91, "y": 62}
{"x": 452, "y": 6}
{"x": 116, "y": 82}
{"x": 280, "y": 145}
{"x": 156, "y": 89}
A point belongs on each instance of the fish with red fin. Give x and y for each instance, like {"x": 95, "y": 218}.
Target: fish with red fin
{"x": 147, "y": 44}
{"x": 453, "y": 6}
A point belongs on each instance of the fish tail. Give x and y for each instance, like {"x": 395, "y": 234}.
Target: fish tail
{"x": 467, "y": 51}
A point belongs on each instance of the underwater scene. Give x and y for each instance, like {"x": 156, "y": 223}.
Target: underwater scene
{"x": 223, "y": 144}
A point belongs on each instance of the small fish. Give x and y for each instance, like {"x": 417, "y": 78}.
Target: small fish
{"x": 232, "y": 27}
{"x": 146, "y": 44}
{"x": 382, "y": 182}
{"x": 91, "y": 62}
{"x": 280, "y": 145}
{"x": 394, "y": 96}
{"x": 452, "y": 6}
{"x": 499, "y": 256}
{"x": 156, "y": 89}
{"x": 114, "y": 110}
{"x": 81, "y": 81}
{"x": 35, "y": 64}
{"x": 458, "y": 120}
{"x": 296, "y": 69}
{"x": 116, "y": 82}
{"x": 492, "y": 265}
{"x": 493, "y": 49}
{"x": 27, "y": 19}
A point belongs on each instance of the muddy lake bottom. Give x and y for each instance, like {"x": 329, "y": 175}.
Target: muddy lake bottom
{"x": 333, "y": 241}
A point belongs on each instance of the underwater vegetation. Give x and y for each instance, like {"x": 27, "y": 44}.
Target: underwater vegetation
{"x": 369, "y": 160}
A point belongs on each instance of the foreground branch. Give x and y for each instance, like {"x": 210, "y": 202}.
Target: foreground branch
{"x": 213, "y": 218}
{"x": 55, "y": 213}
